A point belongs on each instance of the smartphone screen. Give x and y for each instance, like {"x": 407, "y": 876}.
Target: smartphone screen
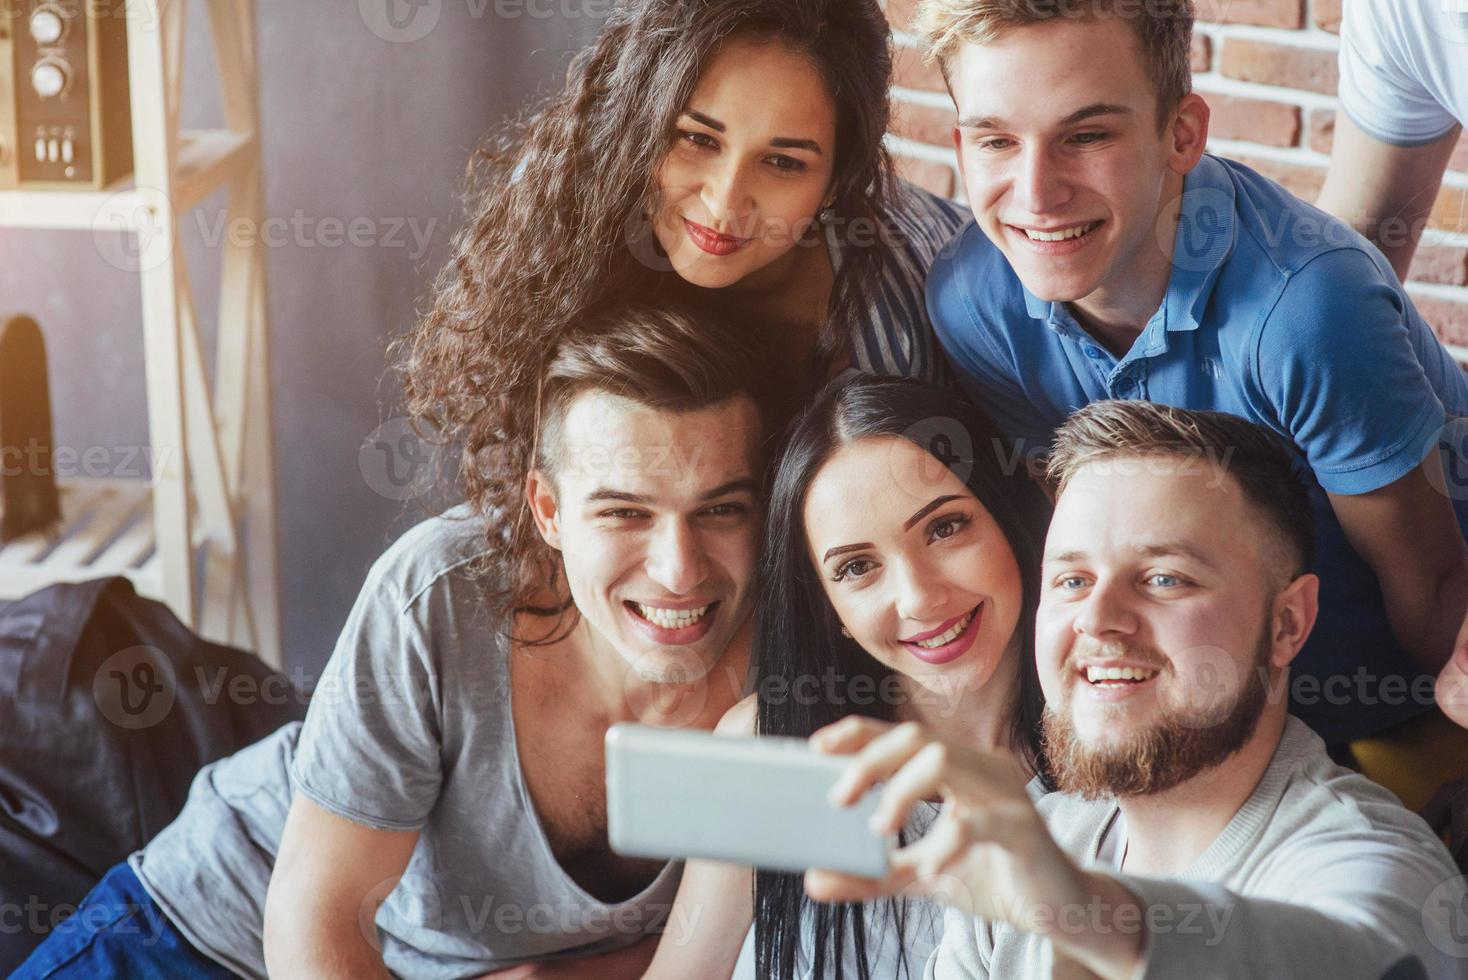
{"x": 755, "y": 801}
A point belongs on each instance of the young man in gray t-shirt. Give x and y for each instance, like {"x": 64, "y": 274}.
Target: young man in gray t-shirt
{"x": 1200, "y": 831}
{"x": 442, "y": 811}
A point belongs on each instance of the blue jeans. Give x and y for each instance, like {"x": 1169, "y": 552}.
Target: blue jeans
{"x": 118, "y": 931}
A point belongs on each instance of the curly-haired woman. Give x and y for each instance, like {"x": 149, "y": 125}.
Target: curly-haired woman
{"x": 721, "y": 152}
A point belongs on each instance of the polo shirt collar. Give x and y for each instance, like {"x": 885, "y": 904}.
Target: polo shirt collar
{"x": 1206, "y": 228}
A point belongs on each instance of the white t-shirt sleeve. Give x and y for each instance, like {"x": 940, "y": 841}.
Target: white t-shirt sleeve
{"x": 1384, "y": 53}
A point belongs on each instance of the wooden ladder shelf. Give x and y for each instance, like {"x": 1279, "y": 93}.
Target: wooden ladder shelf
{"x": 200, "y": 534}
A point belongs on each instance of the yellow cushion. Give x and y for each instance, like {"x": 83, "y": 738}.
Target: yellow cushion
{"x": 1414, "y": 759}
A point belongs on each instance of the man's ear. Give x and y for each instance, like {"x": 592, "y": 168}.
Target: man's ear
{"x": 1293, "y": 616}
{"x": 540, "y": 495}
{"x": 958, "y": 155}
{"x": 1189, "y": 134}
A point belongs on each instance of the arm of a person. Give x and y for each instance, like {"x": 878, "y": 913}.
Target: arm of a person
{"x": 1337, "y": 367}
{"x": 1357, "y": 900}
{"x": 1408, "y": 533}
{"x": 1368, "y": 914}
{"x": 1384, "y": 191}
{"x": 715, "y": 903}
{"x": 330, "y": 876}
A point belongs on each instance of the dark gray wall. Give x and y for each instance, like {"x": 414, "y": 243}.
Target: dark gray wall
{"x": 370, "y": 108}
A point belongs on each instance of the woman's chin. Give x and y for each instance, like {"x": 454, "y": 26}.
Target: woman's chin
{"x": 706, "y": 272}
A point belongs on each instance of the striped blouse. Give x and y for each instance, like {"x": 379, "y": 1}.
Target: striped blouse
{"x": 896, "y": 337}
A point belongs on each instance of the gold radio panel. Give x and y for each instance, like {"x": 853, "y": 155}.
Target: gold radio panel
{"x": 64, "y": 114}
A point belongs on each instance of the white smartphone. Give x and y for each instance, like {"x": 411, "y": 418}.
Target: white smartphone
{"x": 755, "y": 801}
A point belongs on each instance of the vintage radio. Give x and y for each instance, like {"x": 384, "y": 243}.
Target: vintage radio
{"x": 64, "y": 119}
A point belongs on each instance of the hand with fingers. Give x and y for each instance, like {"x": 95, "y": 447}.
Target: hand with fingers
{"x": 1452, "y": 683}
{"x": 989, "y": 852}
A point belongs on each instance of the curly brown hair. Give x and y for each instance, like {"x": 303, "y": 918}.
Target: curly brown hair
{"x": 555, "y": 202}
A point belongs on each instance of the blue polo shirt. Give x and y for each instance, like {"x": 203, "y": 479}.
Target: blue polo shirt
{"x": 1279, "y": 313}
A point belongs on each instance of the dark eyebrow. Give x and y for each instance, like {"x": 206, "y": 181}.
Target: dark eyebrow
{"x": 743, "y": 484}
{"x": 602, "y": 493}
{"x": 1166, "y": 549}
{"x": 708, "y": 121}
{"x": 843, "y": 549}
{"x": 779, "y": 142}
{"x": 928, "y": 509}
{"x": 1086, "y": 112}
{"x": 790, "y": 143}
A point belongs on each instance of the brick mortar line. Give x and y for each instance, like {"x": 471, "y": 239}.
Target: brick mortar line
{"x": 922, "y": 97}
{"x": 1220, "y": 84}
{"x": 1447, "y": 239}
{"x": 921, "y": 151}
{"x": 1438, "y": 290}
{"x": 1310, "y": 38}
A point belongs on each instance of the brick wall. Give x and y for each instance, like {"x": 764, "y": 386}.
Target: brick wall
{"x": 1268, "y": 71}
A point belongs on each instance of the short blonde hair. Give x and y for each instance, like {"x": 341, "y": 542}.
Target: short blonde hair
{"x": 1164, "y": 28}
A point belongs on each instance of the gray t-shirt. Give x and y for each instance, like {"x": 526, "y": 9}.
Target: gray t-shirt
{"x": 1321, "y": 873}
{"x": 409, "y": 729}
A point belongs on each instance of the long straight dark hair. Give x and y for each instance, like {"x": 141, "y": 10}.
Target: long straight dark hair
{"x": 798, "y": 635}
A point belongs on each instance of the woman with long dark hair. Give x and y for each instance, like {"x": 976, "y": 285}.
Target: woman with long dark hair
{"x": 900, "y": 575}
{"x": 726, "y": 153}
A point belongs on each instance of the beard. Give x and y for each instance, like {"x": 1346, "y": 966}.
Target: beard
{"x": 1166, "y": 755}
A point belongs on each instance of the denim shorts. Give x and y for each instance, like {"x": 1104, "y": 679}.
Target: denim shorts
{"x": 118, "y": 931}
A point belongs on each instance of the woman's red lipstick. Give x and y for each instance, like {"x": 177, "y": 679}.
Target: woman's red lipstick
{"x": 711, "y": 241}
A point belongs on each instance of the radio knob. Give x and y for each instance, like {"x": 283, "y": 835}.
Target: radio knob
{"x": 48, "y": 79}
{"x": 47, "y": 27}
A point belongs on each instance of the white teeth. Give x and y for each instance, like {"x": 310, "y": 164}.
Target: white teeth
{"x": 947, "y": 637}
{"x": 1062, "y": 235}
{"x": 1097, "y": 675}
{"x": 670, "y": 619}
